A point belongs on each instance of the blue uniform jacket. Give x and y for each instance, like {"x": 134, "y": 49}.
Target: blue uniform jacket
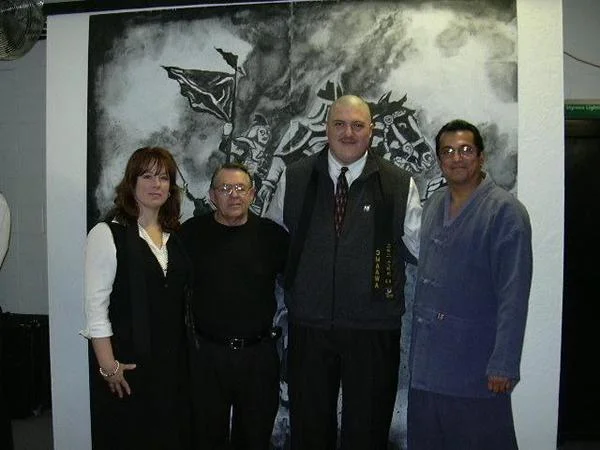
{"x": 472, "y": 292}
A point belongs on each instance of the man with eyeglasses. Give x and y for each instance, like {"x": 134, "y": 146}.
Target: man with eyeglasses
{"x": 353, "y": 219}
{"x": 470, "y": 308}
{"x": 236, "y": 257}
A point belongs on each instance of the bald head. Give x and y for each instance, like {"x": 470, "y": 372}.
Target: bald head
{"x": 353, "y": 101}
{"x": 349, "y": 129}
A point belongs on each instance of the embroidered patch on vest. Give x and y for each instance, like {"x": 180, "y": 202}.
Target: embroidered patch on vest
{"x": 382, "y": 271}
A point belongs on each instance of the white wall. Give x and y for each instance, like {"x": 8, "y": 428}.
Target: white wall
{"x": 66, "y": 129}
{"x": 541, "y": 175}
{"x": 23, "y": 278}
{"x": 581, "y": 20}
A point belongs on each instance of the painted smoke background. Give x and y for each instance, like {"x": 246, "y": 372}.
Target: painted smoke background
{"x": 450, "y": 59}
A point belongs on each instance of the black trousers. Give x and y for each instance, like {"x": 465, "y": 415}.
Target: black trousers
{"x": 365, "y": 364}
{"x": 237, "y": 387}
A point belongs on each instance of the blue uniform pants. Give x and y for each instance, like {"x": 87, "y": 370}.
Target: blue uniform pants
{"x": 443, "y": 422}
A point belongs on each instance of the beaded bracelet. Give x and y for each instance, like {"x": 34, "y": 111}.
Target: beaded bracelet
{"x": 113, "y": 373}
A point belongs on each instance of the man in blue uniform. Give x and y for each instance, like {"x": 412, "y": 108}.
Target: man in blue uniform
{"x": 470, "y": 308}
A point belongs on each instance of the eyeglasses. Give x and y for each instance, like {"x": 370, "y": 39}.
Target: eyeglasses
{"x": 464, "y": 151}
{"x": 228, "y": 189}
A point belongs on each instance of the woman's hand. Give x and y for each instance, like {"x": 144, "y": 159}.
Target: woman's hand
{"x": 115, "y": 377}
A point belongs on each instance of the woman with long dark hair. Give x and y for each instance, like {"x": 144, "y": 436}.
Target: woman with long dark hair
{"x": 136, "y": 278}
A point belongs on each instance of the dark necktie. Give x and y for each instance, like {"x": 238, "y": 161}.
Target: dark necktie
{"x": 341, "y": 198}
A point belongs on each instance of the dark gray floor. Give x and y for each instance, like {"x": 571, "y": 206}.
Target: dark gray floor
{"x": 35, "y": 433}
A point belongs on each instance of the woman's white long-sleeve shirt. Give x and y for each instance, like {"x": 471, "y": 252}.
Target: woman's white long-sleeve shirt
{"x": 100, "y": 271}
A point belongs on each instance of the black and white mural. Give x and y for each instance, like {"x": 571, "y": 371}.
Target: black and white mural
{"x": 253, "y": 83}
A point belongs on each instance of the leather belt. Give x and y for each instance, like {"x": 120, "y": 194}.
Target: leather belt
{"x": 238, "y": 343}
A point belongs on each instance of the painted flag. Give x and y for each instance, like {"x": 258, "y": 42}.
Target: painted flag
{"x": 229, "y": 58}
{"x": 207, "y": 91}
{"x": 232, "y": 60}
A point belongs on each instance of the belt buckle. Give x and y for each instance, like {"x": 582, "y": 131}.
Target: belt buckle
{"x": 236, "y": 343}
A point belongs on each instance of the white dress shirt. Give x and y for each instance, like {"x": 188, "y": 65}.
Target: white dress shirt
{"x": 412, "y": 218}
{"x": 4, "y": 227}
{"x": 100, "y": 271}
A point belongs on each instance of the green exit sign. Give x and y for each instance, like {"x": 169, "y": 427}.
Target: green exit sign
{"x": 582, "y": 111}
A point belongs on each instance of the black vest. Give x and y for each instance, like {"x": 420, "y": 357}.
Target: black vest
{"x": 356, "y": 280}
{"x": 141, "y": 293}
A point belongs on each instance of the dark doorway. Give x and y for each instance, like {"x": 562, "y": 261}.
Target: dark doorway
{"x": 579, "y": 410}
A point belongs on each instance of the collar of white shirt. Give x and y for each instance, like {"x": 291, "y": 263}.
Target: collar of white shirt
{"x": 354, "y": 169}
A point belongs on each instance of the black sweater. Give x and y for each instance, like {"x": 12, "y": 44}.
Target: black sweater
{"x": 234, "y": 274}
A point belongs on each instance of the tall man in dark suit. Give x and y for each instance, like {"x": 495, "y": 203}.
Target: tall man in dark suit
{"x": 353, "y": 220}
